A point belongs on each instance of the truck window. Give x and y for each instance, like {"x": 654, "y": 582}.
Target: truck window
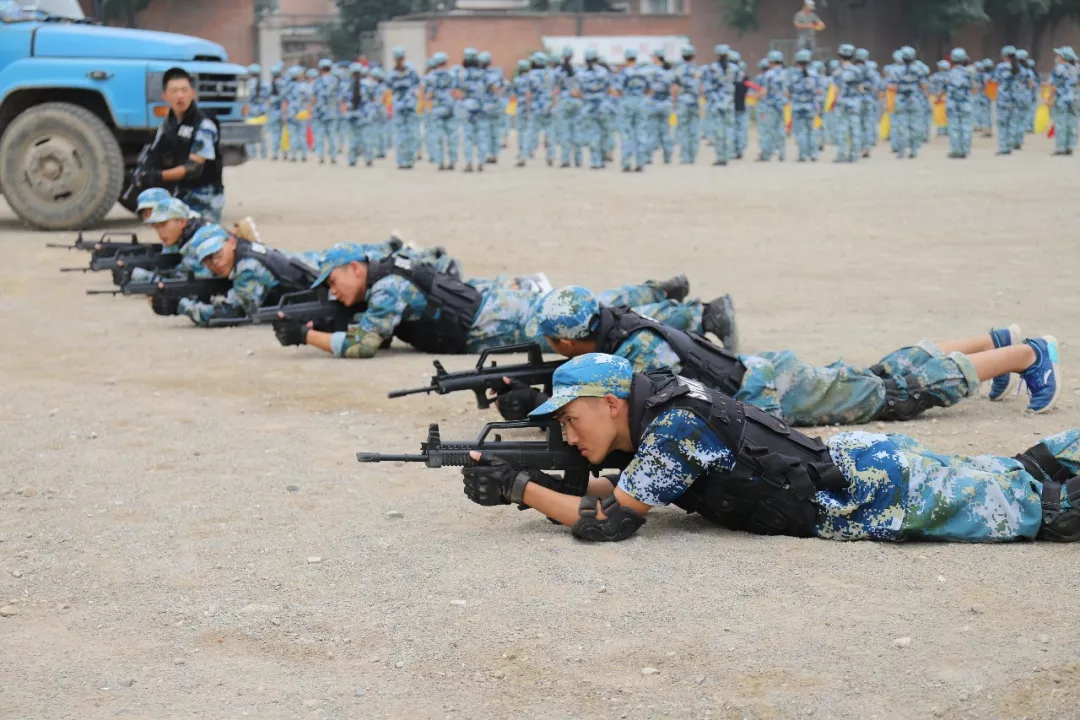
{"x": 60, "y": 8}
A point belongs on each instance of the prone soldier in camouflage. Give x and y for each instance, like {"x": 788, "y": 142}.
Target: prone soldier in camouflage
{"x": 738, "y": 467}
{"x": 430, "y": 309}
{"x": 175, "y": 224}
{"x": 901, "y": 386}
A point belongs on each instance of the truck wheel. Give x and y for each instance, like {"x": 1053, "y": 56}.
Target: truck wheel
{"x": 60, "y": 167}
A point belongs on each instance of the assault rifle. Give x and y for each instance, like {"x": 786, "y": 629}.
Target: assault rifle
{"x": 482, "y": 378}
{"x": 103, "y": 247}
{"x": 313, "y": 306}
{"x": 179, "y": 286}
{"x": 551, "y": 453}
{"x": 148, "y": 257}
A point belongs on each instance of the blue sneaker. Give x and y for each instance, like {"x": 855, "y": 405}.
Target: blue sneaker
{"x": 1002, "y": 385}
{"x": 1042, "y": 377}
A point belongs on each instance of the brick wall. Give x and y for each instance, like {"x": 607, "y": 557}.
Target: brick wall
{"x": 230, "y": 23}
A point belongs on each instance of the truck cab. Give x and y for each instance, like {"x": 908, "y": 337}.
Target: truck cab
{"x": 78, "y": 101}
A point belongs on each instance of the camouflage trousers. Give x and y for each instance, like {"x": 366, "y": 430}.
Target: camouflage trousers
{"x": 841, "y": 394}
{"x": 207, "y": 201}
{"x": 506, "y": 311}
{"x": 902, "y": 490}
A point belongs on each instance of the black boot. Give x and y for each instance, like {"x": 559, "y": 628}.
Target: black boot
{"x": 718, "y": 318}
{"x": 1058, "y": 483}
{"x": 676, "y": 288}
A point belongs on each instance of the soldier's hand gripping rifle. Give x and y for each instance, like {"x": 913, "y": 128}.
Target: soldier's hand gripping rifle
{"x": 482, "y": 378}
{"x": 551, "y": 453}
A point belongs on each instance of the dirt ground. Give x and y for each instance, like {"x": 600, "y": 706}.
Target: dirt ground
{"x": 165, "y": 491}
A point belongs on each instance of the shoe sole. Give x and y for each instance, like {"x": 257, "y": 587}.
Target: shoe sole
{"x": 1051, "y": 341}
{"x": 1014, "y": 379}
{"x": 732, "y": 344}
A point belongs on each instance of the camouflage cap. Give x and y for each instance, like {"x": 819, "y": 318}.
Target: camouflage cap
{"x": 567, "y": 52}
{"x": 149, "y": 198}
{"x": 687, "y": 51}
{"x": 539, "y": 57}
{"x": 907, "y": 52}
{"x": 277, "y": 68}
{"x": 943, "y": 65}
{"x": 735, "y": 56}
{"x": 207, "y": 241}
{"x": 1021, "y": 54}
{"x": 356, "y": 67}
{"x": 398, "y": 52}
{"x": 657, "y": 52}
{"x": 763, "y": 63}
{"x": 958, "y": 54}
{"x": 722, "y": 49}
{"x": 1008, "y": 50}
{"x": 524, "y": 65}
{"x": 484, "y": 57}
{"x": 803, "y": 56}
{"x": 172, "y": 209}
{"x": 846, "y": 50}
{"x": 568, "y": 313}
{"x": 441, "y": 58}
{"x": 775, "y": 56}
{"x": 593, "y": 375}
{"x": 862, "y": 54}
{"x": 339, "y": 255}
{"x": 630, "y": 54}
{"x": 312, "y": 73}
{"x": 591, "y": 54}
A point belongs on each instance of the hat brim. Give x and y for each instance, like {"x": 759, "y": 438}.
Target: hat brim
{"x": 322, "y": 277}
{"x": 566, "y": 394}
{"x": 209, "y": 248}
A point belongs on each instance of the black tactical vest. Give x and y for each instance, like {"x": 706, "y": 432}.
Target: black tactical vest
{"x": 452, "y": 305}
{"x": 292, "y": 274}
{"x": 173, "y": 148}
{"x": 777, "y": 469}
{"x": 700, "y": 359}
{"x": 192, "y": 226}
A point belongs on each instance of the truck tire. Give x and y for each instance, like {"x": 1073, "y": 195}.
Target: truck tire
{"x": 60, "y": 167}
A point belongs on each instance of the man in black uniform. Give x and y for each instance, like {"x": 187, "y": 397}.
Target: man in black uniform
{"x": 186, "y": 153}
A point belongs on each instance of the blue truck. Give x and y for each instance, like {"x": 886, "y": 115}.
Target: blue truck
{"x": 78, "y": 101}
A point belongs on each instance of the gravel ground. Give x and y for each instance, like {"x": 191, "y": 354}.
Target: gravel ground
{"x": 184, "y": 531}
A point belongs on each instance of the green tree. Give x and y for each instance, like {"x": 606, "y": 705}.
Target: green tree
{"x": 363, "y": 16}
{"x": 341, "y": 44}
{"x": 741, "y": 15}
{"x": 936, "y": 20}
{"x": 123, "y": 11}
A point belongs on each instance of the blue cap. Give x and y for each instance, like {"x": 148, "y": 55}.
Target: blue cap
{"x": 862, "y": 54}
{"x": 568, "y": 313}
{"x": 657, "y": 53}
{"x": 524, "y": 65}
{"x": 567, "y": 52}
{"x": 722, "y": 49}
{"x": 943, "y": 65}
{"x": 277, "y": 68}
{"x": 1021, "y": 54}
{"x": 207, "y": 241}
{"x": 441, "y": 58}
{"x": 763, "y": 63}
{"x": 630, "y": 54}
{"x": 326, "y": 64}
{"x": 469, "y": 53}
{"x": 907, "y": 52}
{"x": 539, "y": 57}
{"x": 356, "y": 67}
{"x": 803, "y": 56}
{"x": 687, "y": 51}
{"x": 312, "y": 73}
{"x": 735, "y": 56}
{"x": 339, "y": 255}
{"x": 593, "y": 375}
{"x": 376, "y": 72}
{"x": 846, "y": 50}
{"x": 1008, "y": 50}
{"x": 775, "y": 56}
{"x": 398, "y": 52}
{"x": 591, "y": 54}
{"x": 484, "y": 57}
{"x": 958, "y": 55}
{"x": 149, "y": 198}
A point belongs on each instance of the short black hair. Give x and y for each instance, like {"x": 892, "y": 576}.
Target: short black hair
{"x": 176, "y": 74}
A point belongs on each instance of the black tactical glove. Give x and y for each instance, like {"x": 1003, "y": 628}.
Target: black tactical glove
{"x": 516, "y": 400}
{"x": 120, "y": 276}
{"x": 164, "y": 305}
{"x": 291, "y": 332}
{"x": 491, "y": 481}
{"x": 149, "y": 178}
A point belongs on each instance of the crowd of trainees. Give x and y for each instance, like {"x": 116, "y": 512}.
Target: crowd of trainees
{"x": 652, "y": 107}
{"x": 691, "y": 422}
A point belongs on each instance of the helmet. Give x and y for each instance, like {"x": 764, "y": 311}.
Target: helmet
{"x": 907, "y": 52}
{"x": 735, "y": 56}
{"x": 312, "y": 73}
{"x": 803, "y": 56}
{"x": 817, "y": 66}
{"x": 1008, "y": 50}
{"x": 723, "y": 49}
{"x": 846, "y": 50}
{"x": 567, "y": 53}
{"x": 356, "y": 68}
{"x": 1021, "y": 55}
{"x": 254, "y": 68}
{"x": 484, "y": 57}
{"x": 862, "y": 54}
{"x": 277, "y": 68}
{"x": 469, "y": 53}
{"x": 398, "y": 52}
{"x": 687, "y": 51}
{"x": 591, "y": 54}
{"x": 630, "y": 54}
{"x": 775, "y": 56}
{"x": 326, "y": 64}
{"x": 958, "y": 55}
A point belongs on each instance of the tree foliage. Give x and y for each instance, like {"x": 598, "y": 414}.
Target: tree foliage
{"x": 123, "y": 11}
{"x": 363, "y": 16}
{"x": 741, "y": 14}
{"x": 341, "y": 44}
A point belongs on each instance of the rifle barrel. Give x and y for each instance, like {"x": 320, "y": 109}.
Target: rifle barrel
{"x": 103, "y": 292}
{"x": 82, "y": 269}
{"x": 366, "y": 457}
{"x": 411, "y": 391}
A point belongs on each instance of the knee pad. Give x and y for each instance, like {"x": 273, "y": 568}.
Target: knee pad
{"x": 619, "y": 524}
{"x": 1058, "y": 524}
{"x": 905, "y": 398}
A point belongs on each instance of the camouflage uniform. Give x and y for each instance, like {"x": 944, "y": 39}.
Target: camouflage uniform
{"x": 251, "y": 281}
{"x": 898, "y": 489}
{"x": 323, "y": 112}
{"x": 163, "y": 207}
